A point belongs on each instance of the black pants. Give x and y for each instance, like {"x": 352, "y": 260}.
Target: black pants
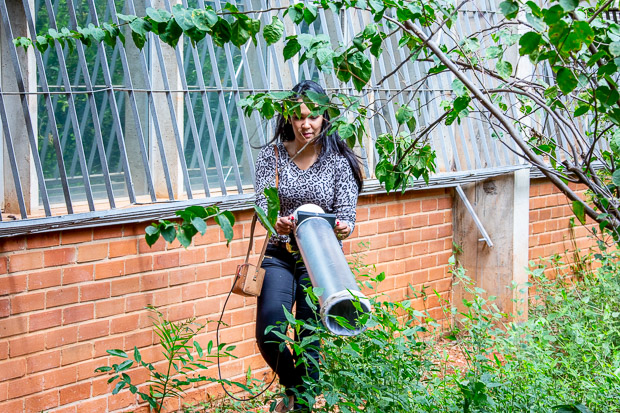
{"x": 284, "y": 284}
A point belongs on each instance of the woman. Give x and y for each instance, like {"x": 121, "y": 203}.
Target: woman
{"x": 313, "y": 167}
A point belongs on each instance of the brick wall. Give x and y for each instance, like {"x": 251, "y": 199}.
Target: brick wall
{"x": 66, "y": 297}
{"x": 550, "y": 214}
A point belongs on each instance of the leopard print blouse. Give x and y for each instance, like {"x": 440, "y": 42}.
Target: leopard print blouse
{"x": 328, "y": 183}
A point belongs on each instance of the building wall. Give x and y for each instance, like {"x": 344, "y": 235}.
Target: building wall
{"x": 66, "y": 297}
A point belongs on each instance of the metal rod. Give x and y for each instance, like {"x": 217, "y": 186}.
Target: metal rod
{"x": 471, "y": 211}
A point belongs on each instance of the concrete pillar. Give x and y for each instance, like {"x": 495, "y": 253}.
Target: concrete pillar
{"x": 502, "y": 205}
{"x": 164, "y": 115}
{"x": 15, "y": 113}
{"x": 134, "y": 62}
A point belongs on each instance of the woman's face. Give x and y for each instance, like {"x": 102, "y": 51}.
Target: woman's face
{"x": 306, "y": 127}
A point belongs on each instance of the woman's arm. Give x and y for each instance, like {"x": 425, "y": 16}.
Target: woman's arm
{"x": 265, "y": 175}
{"x": 345, "y": 195}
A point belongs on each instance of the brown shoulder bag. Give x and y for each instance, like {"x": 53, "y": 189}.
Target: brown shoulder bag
{"x": 249, "y": 277}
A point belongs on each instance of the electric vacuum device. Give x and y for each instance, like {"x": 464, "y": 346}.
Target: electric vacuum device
{"x": 328, "y": 269}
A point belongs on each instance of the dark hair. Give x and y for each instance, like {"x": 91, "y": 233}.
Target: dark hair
{"x": 329, "y": 142}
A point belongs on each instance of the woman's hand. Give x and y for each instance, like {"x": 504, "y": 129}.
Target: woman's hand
{"x": 341, "y": 230}
{"x": 284, "y": 225}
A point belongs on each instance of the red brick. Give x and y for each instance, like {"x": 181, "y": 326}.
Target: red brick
{"x": 377, "y": 212}
{"x": 413, "y": 207}
{"x": 139, "y": 339}
{"x": 77, "y": 236}
{"x": 48, "y": 239}
{"x": 419, "y": 221}
{"x": 124, "y": 323}
{"x": 59, "y": 256}
{"x": 138, "y": 302}
{"x": 139, "y": 264}
{"x": 5, "y": 307}
{"x": 110, "y": 307}
{"x": 61, "y": 296}
{"x": 99, "y": 405}
{"x": 45, "y": 319}
{"x": 166, "y": 260}
{"x": 27, "y": 344}
{"x": 194, "y": 256}
{"x": 144, "y": 248}
{"x": 115, "y": 231}
{"x": 95, "y": 291}
{"x": 43, "y": 361}
{"x": 86, "y": 369}
{"x": 79, "y": 273}
{"x": 125, "y": 285}
{"x": 26, "y": 261}
{"x": 77, "y": 353}
{"x": 12, "y": 406}
{"x": 108, "y": 343}
{"x": 12, "y": 369}
{"x": 182, "y": 276}
{"x": 92, "y": 252}
{"x": 397, "y": 238}
{"x": 27, "y": 385}
{"x": 123, "y": 248}
{"x": 220, "y": 286}
{"x": 153, "y": 281}
{"x": 121, "y": 401}
{"x": 12, "y": 244}
{"x": 181, "y": 312}
{"x": 11, "y": 284}
{"x": 74, "y": 393}
{"x": 24, "y": 303}
{"x": 437, "y": 218}
{"x": 229, "y": 267}
{"x": 194, "y": 291}
{"x": 60, "y": 377}
{"x": 76, "y": 313}
{"x": 167, "y": 296}
{"x": 93, "y": 330}
{"x": 44, "y": 279}
{"x": 61, "y": 337}
{"x": 4, "y": 265}
{"x": 109, "y": 269}
{"x": 208, "y": 271}
{"x": 394, "y": 210}
{"x": 217, "y": 252}
{"x": 41, "y": 402}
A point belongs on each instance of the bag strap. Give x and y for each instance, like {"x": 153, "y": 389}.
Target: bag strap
{"x": 254, "y": 219}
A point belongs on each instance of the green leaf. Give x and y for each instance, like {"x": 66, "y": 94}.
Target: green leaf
{"x": 615, "y": 178}
{"x": 459, "y": 88}
{"x": 183, "y": 17}
{"x": 158, "y": 15}
{"x": 221, "y": 32}
{"x": 510, "y": 9}
{"x": 554, "y": 14}
{"x": 169, "y": 233}
{"x": 291, "y": 49}
{"x": 296, "y": 12}
{"x": 566, "y": 80}
{"x": 262, "y": 216}
{"x": 569, "y": 5}
{"x": 200, "y": 225}
{"x": 346, "y": 130}
{"x": 579, "y": 211}
{"x": 204, "y": 19}
{"x": 273, "y": 204}
{"x": 403, "y": 114}
{"x": 225, "y": 224}
{"x": 172, "y": 33}
{"x": 126, "y": 17}
{"x": 529, "y": 43}
{"x": 273, "y": 32}
{"x": 360, "y": 68}
{"x": 310, "y": 13}
{"x": 117, "y": 353}
{"x": 504, "y": 69}
{"x": 583, "y": 109}
{"x": 614, "y": 49}
{"x": 119, "y": 386}
{"x": 494, "y": 52}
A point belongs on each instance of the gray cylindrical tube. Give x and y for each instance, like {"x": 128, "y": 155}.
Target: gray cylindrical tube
{"x": 329, "y": 270}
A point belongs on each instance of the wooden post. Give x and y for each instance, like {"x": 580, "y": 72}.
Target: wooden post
{"x": 502, "y": 205}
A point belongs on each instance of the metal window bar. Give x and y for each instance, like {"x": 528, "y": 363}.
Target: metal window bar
{"x": 93, "y": 112}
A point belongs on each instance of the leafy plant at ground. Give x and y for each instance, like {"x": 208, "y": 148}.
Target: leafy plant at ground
{"x": 184, "y": 360}
{"x": 565, "y": 358}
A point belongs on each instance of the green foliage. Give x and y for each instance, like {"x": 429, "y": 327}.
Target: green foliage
{"x": 565, "y": 358}
{"x": 184, "y": 361}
